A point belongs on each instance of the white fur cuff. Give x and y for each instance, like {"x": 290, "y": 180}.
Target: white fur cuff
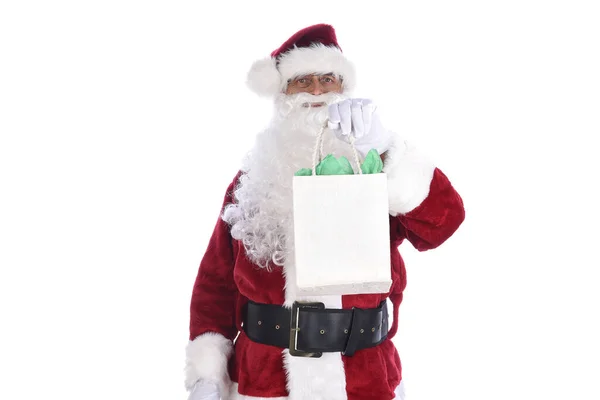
{"x": 409, "y": 176}
{"x": 206, "y": 358}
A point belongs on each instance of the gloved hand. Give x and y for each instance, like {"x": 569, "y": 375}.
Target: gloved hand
{"x": 357, "y": 117}
{"x": 204, "y": 390}
{"x": 399, "y": 392}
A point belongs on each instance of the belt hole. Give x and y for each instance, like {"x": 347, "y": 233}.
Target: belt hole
{"x": 260, "y": 322}
{"x": 322, "y": 331}
{"x": 346, "y": 331}
{"x": 362, "y": 331}
{"x": 277, "y": 327}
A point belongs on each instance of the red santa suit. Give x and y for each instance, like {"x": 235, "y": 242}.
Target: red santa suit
{"x": 424, "y": 209}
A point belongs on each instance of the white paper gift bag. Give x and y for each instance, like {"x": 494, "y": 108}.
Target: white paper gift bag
{"x": 341, "y": 234}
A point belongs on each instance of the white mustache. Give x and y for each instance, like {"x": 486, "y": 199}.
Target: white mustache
{"x": 299, "y": 101}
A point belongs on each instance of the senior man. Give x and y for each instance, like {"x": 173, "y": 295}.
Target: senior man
{"x": 237, "y": 349}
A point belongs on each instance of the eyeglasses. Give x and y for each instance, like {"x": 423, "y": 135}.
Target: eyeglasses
{"x": 305, "y": 81}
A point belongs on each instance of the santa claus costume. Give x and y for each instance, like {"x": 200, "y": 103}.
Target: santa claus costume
{"x": 249, "y": 261}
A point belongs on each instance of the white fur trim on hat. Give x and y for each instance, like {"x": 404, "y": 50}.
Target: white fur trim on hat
{"x": 268, "y": 77}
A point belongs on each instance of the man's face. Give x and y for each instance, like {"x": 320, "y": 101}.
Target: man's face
{"x": 314, "y": 84}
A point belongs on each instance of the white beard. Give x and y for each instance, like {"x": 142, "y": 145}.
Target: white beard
{"x": 262, "y": 215}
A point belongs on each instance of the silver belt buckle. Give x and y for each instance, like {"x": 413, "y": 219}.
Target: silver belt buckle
{"x": 294, "y": 328}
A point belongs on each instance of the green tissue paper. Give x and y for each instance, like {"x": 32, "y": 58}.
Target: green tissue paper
{"x": 372, "y": 163}
{"x": 341, "y": 166}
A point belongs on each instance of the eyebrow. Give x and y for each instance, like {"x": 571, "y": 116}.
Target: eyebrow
{"x": 327, "y": 74}
{"x": 331, "y": 74}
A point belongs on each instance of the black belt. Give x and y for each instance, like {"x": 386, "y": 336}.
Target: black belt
{"x": 311, "y": 329}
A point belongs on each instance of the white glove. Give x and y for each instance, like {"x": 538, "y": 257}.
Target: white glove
{"x": 399, "y": 392}
{"x": 204, "y": 390}
{"x": 357, "y": 117}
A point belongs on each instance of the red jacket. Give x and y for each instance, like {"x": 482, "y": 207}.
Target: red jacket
{"x": 424, "y": 209}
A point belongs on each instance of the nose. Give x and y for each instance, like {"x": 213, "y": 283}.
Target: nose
{"x": 316, "y": 87}
{"x": 317, "y": 90}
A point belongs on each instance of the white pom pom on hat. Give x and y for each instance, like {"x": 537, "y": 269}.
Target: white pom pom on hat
{"x": 312, "y": 50}
{"x": 263, "y": 77}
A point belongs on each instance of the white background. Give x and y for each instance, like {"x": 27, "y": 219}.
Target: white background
{"x": 122, "y": 123}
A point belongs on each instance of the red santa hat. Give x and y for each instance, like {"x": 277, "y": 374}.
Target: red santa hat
{"x": 312, "y": 50}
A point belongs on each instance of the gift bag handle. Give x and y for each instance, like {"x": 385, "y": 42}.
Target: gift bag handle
{"x": 318, "y": 153}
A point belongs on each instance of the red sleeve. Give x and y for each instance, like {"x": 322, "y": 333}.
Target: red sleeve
{"x": 214, "y": 293}
{"x": 433, "y": 221}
